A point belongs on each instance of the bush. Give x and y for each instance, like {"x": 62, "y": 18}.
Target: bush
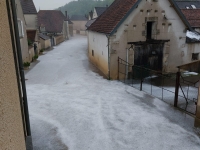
{"x": 42, "y": 50}
{"x": 26, "y": 64}
{"x": 36, "y": 57}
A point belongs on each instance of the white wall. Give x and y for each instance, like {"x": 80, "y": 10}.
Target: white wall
{"x": 31, "y": 21}
{"x": 99, "y": 44}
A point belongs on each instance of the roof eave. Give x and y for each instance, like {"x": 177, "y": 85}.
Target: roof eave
{"x": 125, "y": 17}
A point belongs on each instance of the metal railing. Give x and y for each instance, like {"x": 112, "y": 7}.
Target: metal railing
{"x": 162, "y": 86}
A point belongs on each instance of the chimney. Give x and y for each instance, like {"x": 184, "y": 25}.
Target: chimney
{"x": 66, "y": 13}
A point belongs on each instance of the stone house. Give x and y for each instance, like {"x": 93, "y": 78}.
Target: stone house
{"x": 148, "y": 33}
{"x": 79, "y": 22}
{"x": 22, "y": 32}
{"x": 31, "y": 18}
{"x": 15, "y": 130}
{"x": 53, "y": 24}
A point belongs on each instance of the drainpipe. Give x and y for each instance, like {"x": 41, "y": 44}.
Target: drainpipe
{"x": 21, "y": 68}
{"x": 108, "y": 56}
{"x": 127, "y": 63}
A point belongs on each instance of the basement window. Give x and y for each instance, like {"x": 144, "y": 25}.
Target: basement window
{"x": 92, "y": 52}
{"x": 195, "y": 56}
{"x": 149, "y": 30}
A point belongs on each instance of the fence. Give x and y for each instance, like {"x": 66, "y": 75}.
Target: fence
{"x": 180, "y": 93}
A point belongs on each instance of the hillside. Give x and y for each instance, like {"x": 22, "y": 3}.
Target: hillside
{"x": 83, "y": 7}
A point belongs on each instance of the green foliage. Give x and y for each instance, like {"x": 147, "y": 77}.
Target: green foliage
{"x": 26, "y": 64}
{"x": 42, "y": 50}
{"x": 36, "y": 57}
{"x": 83, "y": 7}
{"x": 29, "y": 42}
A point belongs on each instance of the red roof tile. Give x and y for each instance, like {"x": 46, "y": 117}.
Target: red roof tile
{"x": 192, "y": 16}
{"x": 107, "y": 22}
{"x": 52, "y": 20}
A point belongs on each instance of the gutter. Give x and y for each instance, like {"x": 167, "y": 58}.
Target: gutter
{"x": 20, "y": 71}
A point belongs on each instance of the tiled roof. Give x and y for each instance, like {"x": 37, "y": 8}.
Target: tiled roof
{"x": 90, "y": 22}
{"x": 100, "y": 10}
{"x": 107, "y": 22}
{"x": 28, "y": 7}
{"x": 44, "y": 37}
{"x": 52, "y": 20}
{"x": 78, "y": 18}
{"x": 192, "y": 16}
{"x": 182, "y": 4}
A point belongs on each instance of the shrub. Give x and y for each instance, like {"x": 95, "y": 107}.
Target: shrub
{"x": 26, "y": 64}
{"x": 36, "y": 57}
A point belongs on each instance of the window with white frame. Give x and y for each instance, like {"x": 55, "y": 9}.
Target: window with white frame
{"x": 20, "y": 28}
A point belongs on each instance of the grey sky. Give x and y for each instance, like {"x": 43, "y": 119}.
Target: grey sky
{"x": 49, "y": 4}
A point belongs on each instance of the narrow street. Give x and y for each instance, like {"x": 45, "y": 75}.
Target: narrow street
{"x": 72, "y": 107}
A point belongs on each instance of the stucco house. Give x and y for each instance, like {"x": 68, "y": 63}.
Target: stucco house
{"x": 15, "y": 133}
{"x": 93, "y": 15}
{"x": 79, "y": 22}
{"x": 53, "y": 24}
{"x": 31, "y": 18}
{"x": 148, "y": 33}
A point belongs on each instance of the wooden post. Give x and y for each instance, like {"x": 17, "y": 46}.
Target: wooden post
{"x": 197, "y": 119}
{"x": 177, "y": 89}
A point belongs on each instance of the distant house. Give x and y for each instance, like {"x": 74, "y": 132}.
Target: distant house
{"x": 30, "y": 15}
{"x": 93, "y": 15}
{"x": 150, "y": 34}
{"x": 98, "y": 11}
{"x": 15, "y": 133}
{"x": 79, "y": 22}
{"x": 53, "y": 24}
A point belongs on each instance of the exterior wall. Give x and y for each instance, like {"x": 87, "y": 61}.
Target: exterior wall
{"x": 172, "y": 28}
{"x": 31, "y": 21}
{"x": 71, "y": 30}
{"x": 79, "y": 25}
{"x": 59, "y": 39}
{"x": 66, "y": 30}
{"x": 32, "y": 24}
{"x": 99, "y": 44}
{"x": 95, "y": 14}
{"x": 31, "y": 52}
{"x": 23, "y": 41}
{"x": 11, "y": 127}
{"x": 45, "y": 44}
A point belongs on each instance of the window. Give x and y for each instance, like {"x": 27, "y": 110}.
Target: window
{"x": 195, "y": 56}
{"x": 149, "y": 30}
{"x": 20, "y": 28}
{"x": 92, "y": 52}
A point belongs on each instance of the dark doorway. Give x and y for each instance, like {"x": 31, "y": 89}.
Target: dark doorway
{"x": 149, "y": 30}
{"x": 149, "y": 56}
